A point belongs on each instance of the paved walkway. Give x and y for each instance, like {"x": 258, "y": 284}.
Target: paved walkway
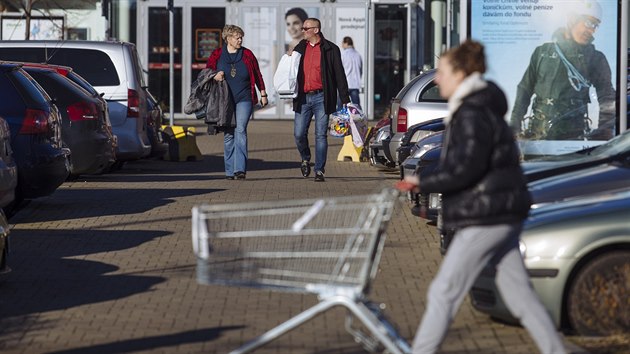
{"x": 105, "y": 264}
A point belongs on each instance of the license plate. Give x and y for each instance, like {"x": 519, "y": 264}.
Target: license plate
{"x": 435, "y": 201}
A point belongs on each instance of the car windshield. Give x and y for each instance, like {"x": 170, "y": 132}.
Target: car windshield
{"x": 614, "y": 146}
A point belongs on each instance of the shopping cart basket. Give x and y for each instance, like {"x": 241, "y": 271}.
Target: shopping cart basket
{"x": 329, "y": 247}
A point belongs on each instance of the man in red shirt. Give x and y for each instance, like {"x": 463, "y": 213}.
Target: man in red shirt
{"x": 320, "y": 77}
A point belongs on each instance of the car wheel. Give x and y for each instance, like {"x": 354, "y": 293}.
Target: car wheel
{"x": 116, "y": 166}
{"x": 72, "y": 177}
{"x": 598, "y": 297}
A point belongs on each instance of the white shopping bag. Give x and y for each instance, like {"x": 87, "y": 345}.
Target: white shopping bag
{"x": 285, "y": 78}
{"x": 358, "y": 126}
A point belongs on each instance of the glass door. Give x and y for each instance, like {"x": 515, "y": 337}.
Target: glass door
{"x": 157, "y": 50}
{"x": 205, "y": 34}
{"x": 390, "y": 57}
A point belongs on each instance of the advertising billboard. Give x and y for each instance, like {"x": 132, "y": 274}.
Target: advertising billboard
{"x": 557, "y": 61}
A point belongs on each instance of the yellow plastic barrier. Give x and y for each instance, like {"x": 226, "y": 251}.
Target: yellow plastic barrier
{"x": 348, "y": 150}
{"x": 182, "y": 143}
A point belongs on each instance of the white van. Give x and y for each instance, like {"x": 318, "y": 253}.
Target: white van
{"x": 113, "y": 68}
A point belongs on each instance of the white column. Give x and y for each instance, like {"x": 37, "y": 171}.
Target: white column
{"x": 438, "y": 15}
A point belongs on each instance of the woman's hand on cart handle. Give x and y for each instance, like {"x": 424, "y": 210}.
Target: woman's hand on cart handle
{"x": 410, "y": 183}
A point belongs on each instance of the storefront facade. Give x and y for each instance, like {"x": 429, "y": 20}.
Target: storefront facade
{"x": 395, "y": 38}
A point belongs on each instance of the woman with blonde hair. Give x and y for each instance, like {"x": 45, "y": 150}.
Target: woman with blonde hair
{"x": 239, "y": 67}
{"x": 484, "y": 198}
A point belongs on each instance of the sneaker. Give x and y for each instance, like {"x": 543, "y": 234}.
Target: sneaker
{"x": 239, "y": 175}
{"x": 305, "y": 168}
{"x": 319, "y": 176}
{"x": 229, "y": 177}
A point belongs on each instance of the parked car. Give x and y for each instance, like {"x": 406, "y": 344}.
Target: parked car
{"x": 114, "y": 69}
{"x": 615, "y": 149}
{"x": 107, "y": 124}
{"x": 4, "y": 244}
{"x": 83, "y": 121}
{"x": 42, "y": 161}
{"x": 376, "y": 155}
{"x": 597, "y": 179}
{"x": 419, "y": 101}
{"x": 577, "y": 253}
{"x": 423, "y": 159}
{"x": 154, "y": 127}
{"x": 414, "y": 134}
{"x": 8, "y": 168}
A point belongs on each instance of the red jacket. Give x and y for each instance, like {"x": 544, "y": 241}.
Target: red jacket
{"x": 255, "y": 76}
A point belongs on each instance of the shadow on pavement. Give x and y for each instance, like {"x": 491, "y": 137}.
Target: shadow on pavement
{"x": 79, "y": 203}
{"x": 153, "y": 343}
{"x": 43, "y": 278}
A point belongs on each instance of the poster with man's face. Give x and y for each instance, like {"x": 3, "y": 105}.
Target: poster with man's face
{"x": 560, "y": 75}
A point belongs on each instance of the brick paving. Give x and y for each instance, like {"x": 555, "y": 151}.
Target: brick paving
{"x": 105, "y": 264}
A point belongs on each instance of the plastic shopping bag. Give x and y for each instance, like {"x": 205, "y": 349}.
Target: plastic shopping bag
{"x": 340, "y": 123}
{"x": 285, "y": 78}
{"x": 358, "y": 124}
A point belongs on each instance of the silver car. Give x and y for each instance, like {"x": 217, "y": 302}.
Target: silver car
{"x": 419, "y": 101}
{"x": 577, "y": 253}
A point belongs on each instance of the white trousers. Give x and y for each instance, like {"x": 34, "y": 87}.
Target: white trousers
{"x": 471, "y": 249}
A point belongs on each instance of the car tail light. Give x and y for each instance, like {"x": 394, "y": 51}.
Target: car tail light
{"x": 82, "y": 111}
{"x": 401, "y": 122}
{"x": 35, "y": 122}
{"x": 133, "y": 103}
{"x": 62, "y": 71}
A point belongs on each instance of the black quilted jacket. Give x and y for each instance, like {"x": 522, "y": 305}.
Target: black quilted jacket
{"x": 479, "y": 176}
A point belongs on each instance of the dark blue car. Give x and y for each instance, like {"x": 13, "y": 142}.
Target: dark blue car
{"x": 35, "y": 125}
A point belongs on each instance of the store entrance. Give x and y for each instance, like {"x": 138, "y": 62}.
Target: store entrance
{"x": 204, "y": 35}
{"x": 390, "y": 47}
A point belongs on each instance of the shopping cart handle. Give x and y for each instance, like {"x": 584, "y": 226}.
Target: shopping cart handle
{"x": 299, "y": 224}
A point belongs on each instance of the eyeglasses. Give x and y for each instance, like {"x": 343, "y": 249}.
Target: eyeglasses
{"x": 590, "y": 24}
{"x": 307, "y": 28}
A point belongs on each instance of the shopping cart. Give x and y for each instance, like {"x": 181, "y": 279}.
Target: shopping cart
{"x": 329, "y": 247}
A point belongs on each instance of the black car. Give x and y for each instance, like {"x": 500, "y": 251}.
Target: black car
{"x": 154, "y": 127}
{"x": 4, "y": 244}
{"x": 597, "y": 179}
{"x": 615, "y": 149}
{"x": 83, "y": 121}
{"x": 422, "y": 160}
{"x": 414, "y": 134}
{"x": 107, "y": 124}
{"x": 36, "y": 141}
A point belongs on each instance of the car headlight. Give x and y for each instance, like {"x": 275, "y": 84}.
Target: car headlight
{"x": 522, "y": 248}
{"x": 383, "y": 133}
{"x": 418, "y": 153}
{"x": 419, "y": 135}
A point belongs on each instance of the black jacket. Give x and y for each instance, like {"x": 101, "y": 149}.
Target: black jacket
{"x": 479, "y": 175}
{"x": 333, "y": 76}
{"x": 211, "y": 100}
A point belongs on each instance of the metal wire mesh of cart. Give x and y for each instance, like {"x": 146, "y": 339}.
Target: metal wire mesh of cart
{"x": 330, "y": 247}
{"x": 300, "y": 245}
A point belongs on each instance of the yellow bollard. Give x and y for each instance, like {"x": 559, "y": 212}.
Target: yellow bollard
{"x": 348, "y": 150}
{"x": 182, "y": 143}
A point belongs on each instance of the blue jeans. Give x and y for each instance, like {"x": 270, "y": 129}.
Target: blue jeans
{"x": 354, "y": 98}
{"x": 313, "y": 105}
{"x": 235, "y": 141}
